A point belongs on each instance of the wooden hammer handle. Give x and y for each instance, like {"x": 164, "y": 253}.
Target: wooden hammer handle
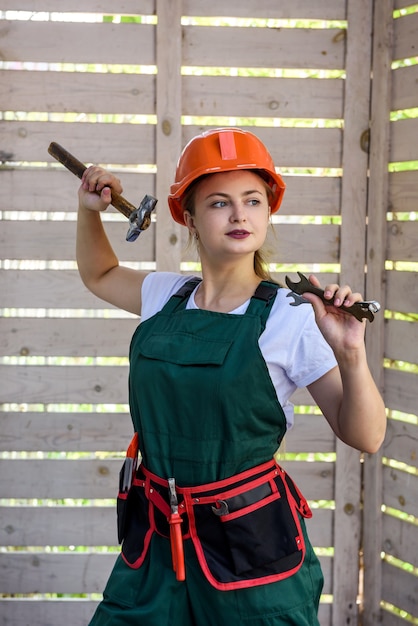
{"x": 76, "y": 167}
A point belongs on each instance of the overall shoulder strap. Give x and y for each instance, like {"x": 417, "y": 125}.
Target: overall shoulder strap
{"x": 181, "y": 295}
{"x": 262, "y": 301}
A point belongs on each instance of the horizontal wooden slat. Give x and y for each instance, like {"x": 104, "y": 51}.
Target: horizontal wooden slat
{"x": 400, "y": 539}
{"x": 401, "y": 442}
{"x": 400, "y": 390}
{"x": 66, "y": 337}
{"x": 400, "y": 491}
{"x": 54, "y": 240}
{"x": 91, "y": 143}
{"x": 204, "y": 46}
{"x": 401, "y": 340}
{"x": 56, "y": 191}
{"x": 58, "y": 526}
{"x": 28, "y": 612}
{"x": 310, "y": 433}
{"x": 305, "y": 243}
{"x": 62, "y": 42}
{"x": 54, "y": 383}
{"x": 125, "y": 7}
{"x": 262, "y": 97}
{"x": 400, "y": 588}
{"x": 96, "y": 526}
{"x": 47, "y": 289}
{"x": 404, "y": 93}
{"x": 60, "y": 479}
{"x": 76, "y": 432}
{"x": 202, "y": 95}
{"x": 86, "y": 478}
{"x": 401, "y": 147}
{"x": 252, "y": 47}
{"x": 315, "y": 479}
{"x": 321, "y": 528}
{"x": 134, "y": 143}
{"x": 402, "y": 240}
{"x": 321, "y": 9}
{"x": 311, "y": 195}
{"x": 43, "y": 190}
{"x": 55, "y": 573}
{"x": 79, "y": 92}
{"x": 401, "y": 290}
{"x": 405, "y": 36}
{"x": 403, "y": 191}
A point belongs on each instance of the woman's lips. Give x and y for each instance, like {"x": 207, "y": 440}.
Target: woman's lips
{"x": 238, "y": 234}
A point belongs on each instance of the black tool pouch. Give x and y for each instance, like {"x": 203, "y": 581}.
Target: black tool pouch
{"x": 251, "y": 534}
{"x": 133, "y": 519}
{"x": 134, "y": 525}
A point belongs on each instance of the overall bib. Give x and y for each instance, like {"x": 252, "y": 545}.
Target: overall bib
{"x": 205, "y": 409}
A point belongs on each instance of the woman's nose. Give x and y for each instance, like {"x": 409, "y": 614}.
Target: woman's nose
{"x": 237, "y": 213}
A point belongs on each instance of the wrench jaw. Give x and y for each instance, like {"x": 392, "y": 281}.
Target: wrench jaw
{"x": 297, "y": 299}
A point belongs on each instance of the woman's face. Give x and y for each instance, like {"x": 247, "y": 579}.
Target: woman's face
{"x": 231, "y": 213}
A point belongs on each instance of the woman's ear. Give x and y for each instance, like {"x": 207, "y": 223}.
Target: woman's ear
{"x": 189, "y": 221}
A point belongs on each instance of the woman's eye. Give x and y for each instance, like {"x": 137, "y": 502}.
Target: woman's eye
{"x": 219, "y": 204}
{"x": 254, "y": 202}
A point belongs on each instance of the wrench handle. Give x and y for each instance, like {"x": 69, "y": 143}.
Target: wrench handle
{"x": 76, "y": 167}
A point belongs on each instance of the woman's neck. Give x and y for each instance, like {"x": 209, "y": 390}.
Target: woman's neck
{"x": 224, "y": 291}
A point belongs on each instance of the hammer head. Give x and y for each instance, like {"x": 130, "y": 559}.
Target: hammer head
{"x": 140, "y": 219}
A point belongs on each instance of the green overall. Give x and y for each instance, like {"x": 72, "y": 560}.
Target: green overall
{"x": 205, "y": 409}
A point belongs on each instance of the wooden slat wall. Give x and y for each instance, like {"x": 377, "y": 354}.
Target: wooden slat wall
{"x": 52, "y": 409}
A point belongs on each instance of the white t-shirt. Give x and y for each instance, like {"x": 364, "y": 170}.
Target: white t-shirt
{"x": 292, "y": 345}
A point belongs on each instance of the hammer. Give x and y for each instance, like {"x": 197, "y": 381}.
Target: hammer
{"x": 139, "y": 218}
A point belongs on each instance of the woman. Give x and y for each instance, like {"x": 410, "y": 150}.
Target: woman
{"x": 213, "y": 529}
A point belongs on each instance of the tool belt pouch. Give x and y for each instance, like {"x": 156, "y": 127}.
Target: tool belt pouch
{"x": 251, "y": 533}
{"x": 134, "y": 527}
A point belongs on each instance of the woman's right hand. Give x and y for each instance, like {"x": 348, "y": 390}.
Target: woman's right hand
{"x": 95, "y": 191}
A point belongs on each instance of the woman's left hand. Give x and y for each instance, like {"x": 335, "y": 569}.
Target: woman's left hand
{"x": 341, "y": 329}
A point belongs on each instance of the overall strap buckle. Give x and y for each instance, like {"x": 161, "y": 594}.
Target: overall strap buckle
{"x": 262, "y": 301}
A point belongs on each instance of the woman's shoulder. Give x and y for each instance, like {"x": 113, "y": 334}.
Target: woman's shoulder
{"x": 157, "y": 288}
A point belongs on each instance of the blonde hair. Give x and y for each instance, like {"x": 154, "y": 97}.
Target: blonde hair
{"x": 260, "y": 256}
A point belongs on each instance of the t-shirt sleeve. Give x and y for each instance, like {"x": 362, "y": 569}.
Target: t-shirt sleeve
{"x": 310, "y": 356}
{"x": 294, "y": 347}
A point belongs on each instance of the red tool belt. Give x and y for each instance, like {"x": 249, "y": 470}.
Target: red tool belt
{"x": 246, "y": 529}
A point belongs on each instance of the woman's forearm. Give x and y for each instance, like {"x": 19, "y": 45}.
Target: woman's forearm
{"x": 95, "y": 255}
{"x": 362, "y": 416}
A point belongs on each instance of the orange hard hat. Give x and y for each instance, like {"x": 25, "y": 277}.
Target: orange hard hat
{"x": 223, "y": 150}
